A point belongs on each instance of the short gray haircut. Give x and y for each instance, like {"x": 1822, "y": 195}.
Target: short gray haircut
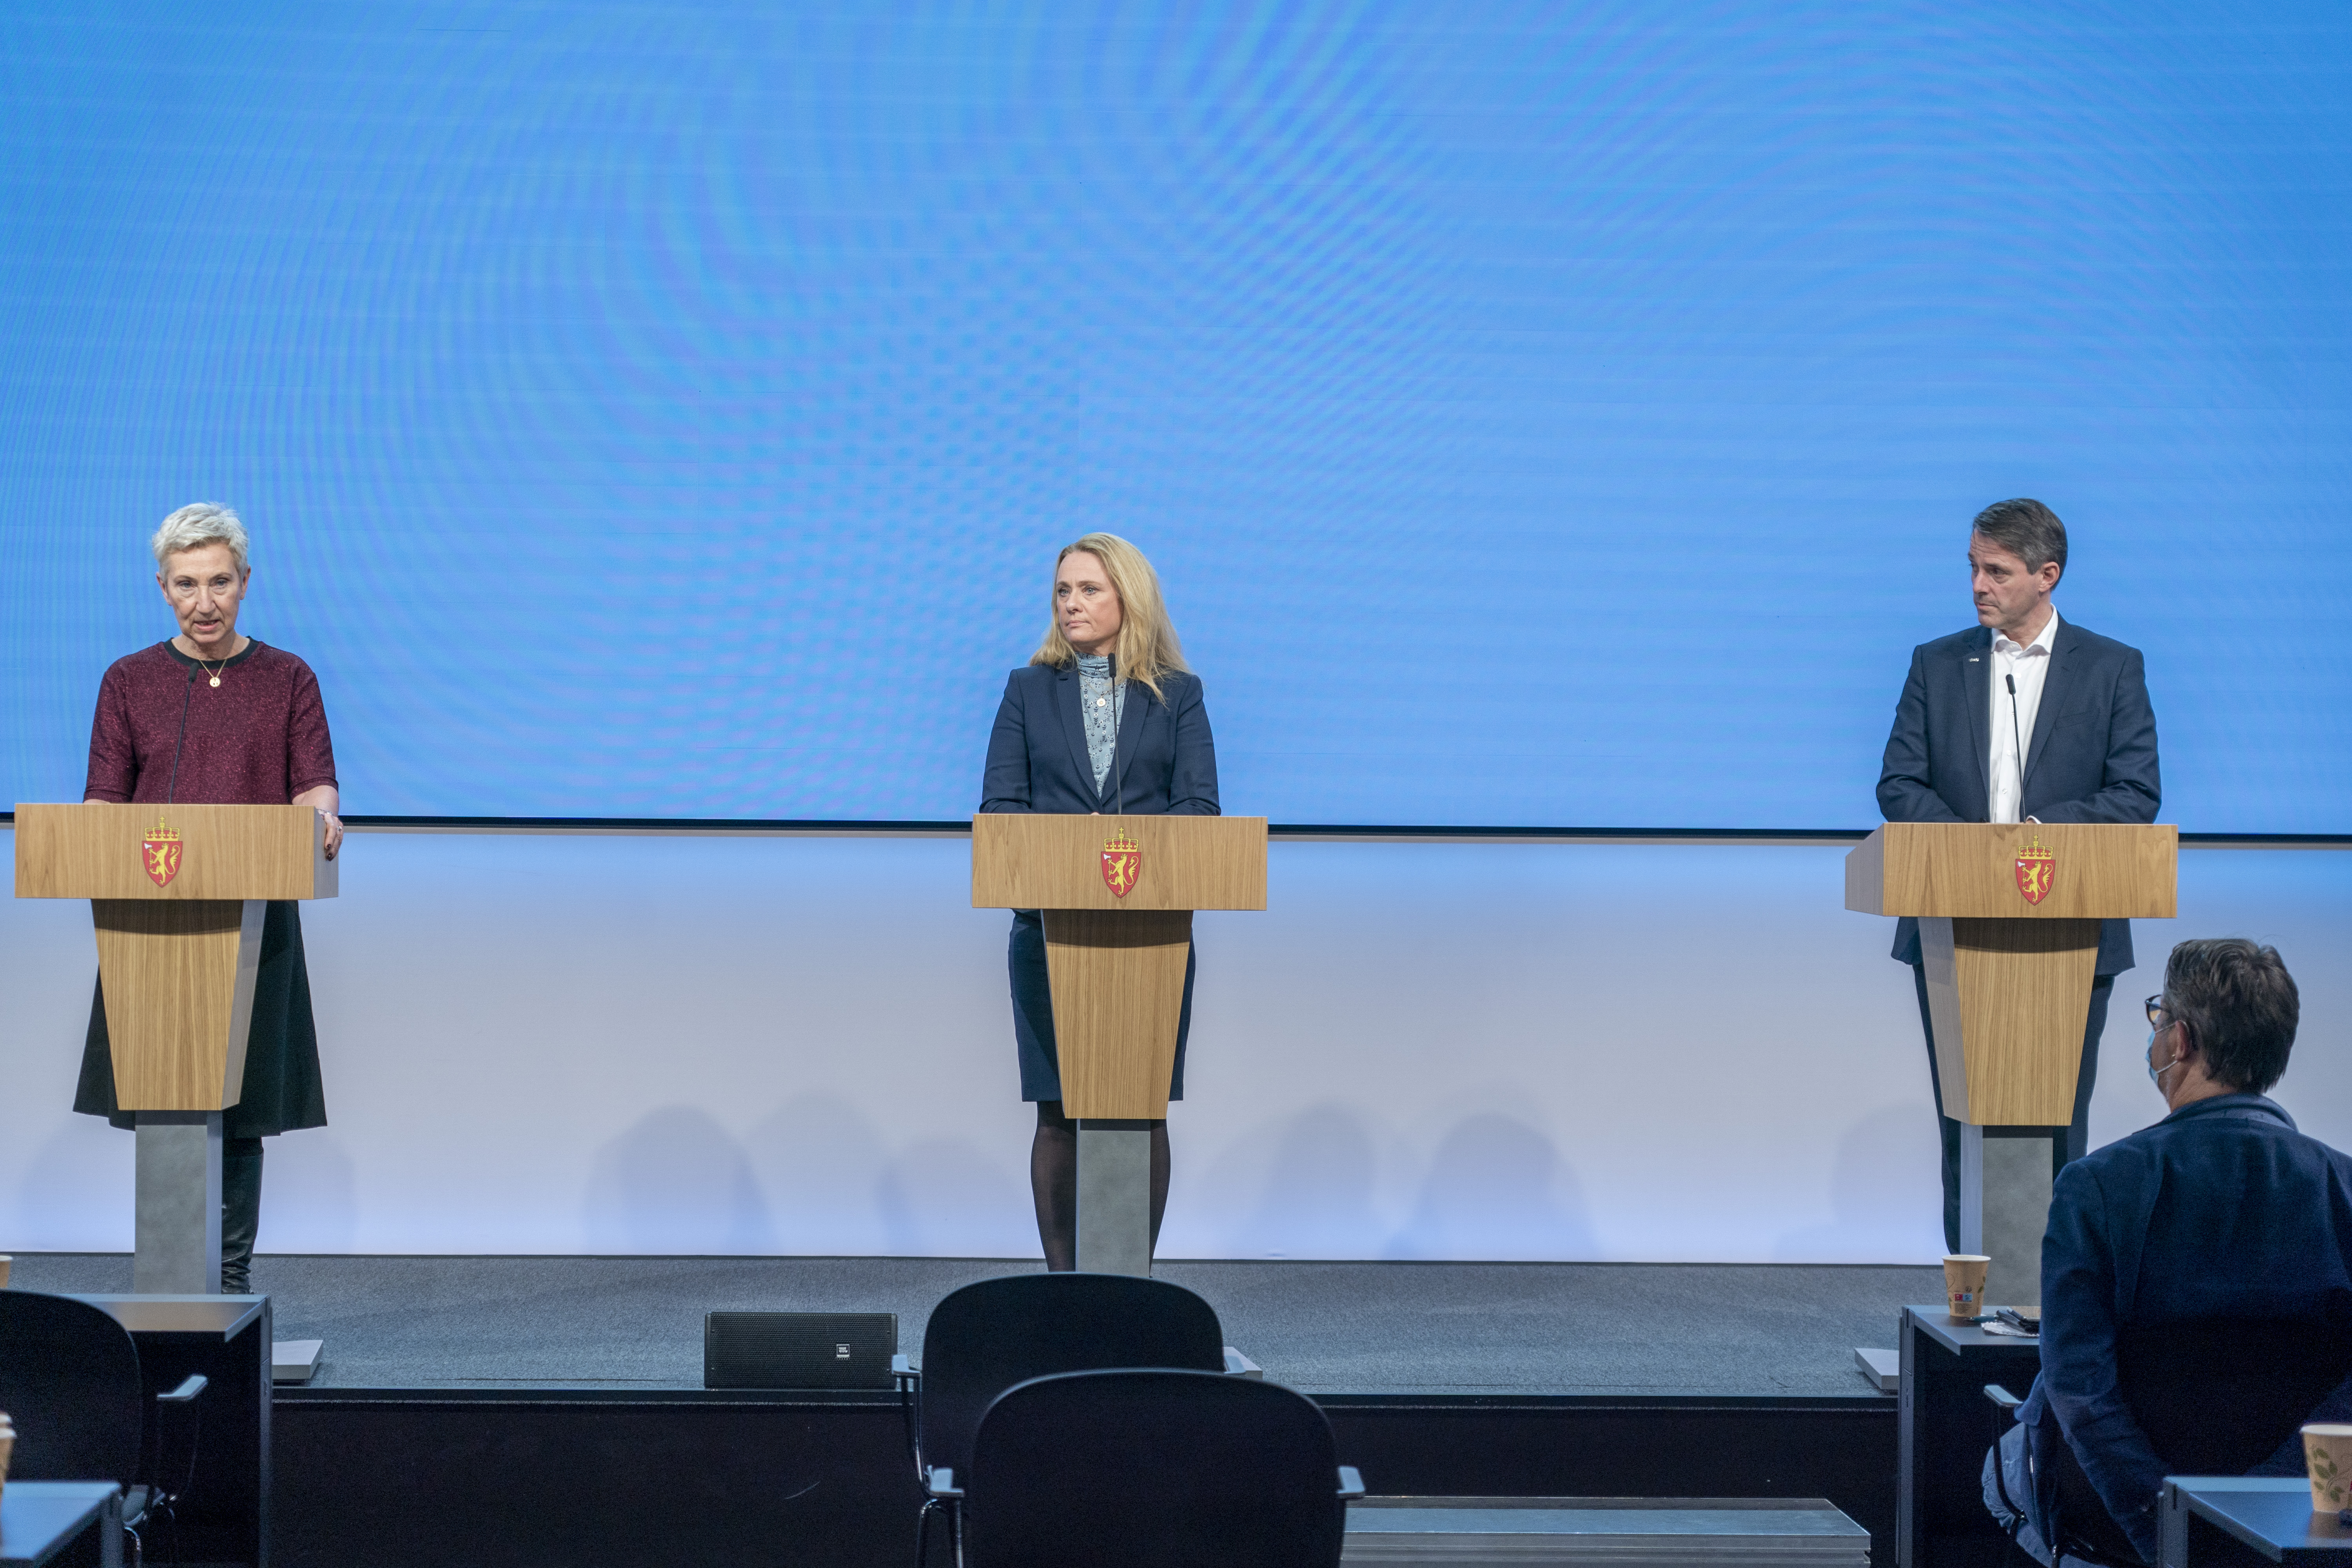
{"x": 197, "y": 524}
{"x": 2240, "y": 1005}
{"x": 2027, "y": 530}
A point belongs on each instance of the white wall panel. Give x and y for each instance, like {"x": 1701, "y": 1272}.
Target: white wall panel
{"x": 617, "y": 1044}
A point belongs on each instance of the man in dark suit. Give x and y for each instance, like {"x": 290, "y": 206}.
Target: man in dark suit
{"x": 2022, "y": 718}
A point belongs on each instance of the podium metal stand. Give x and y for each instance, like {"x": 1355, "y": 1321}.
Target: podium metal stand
{"x": 1117, "y": 894}
{"x": 177, "y": 895}
{"x": 2008, "y": 935}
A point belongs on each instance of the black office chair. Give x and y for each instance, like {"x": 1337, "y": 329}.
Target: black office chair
{"x": 988, "y": 1336}
{"x": 69, "y": 1380}
{"x": 1153, "y": 1468}
{"x": 2216, "y": 1397}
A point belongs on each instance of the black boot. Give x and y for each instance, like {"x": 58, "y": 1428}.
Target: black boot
{"x": 240, "y": 1212}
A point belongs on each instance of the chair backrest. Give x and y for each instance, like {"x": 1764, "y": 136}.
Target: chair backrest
{"x": 69, "y": 1381}
{"x": 2082, "y": 1528}
{"x": 1153, "y": 1468}
{"x": 983, "y": 1339}
{"x": 2218, "y": 1395}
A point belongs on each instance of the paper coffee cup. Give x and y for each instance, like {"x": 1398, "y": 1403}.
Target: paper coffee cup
{"x": 1964, "y": 1283}
{"x": 2327, "y": 1456}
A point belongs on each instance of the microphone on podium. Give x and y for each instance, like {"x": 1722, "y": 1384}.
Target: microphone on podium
{"x": 1118, "y": 763}
{"x": 172, "y": 783}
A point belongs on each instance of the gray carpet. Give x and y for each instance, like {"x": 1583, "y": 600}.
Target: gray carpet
{"x": 1774, "y": 1330}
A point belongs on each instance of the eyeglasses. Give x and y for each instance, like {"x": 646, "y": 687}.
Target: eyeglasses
{"x": 2156, "y": 1013}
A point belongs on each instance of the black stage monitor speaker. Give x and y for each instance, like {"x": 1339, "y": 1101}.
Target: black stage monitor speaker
{"x": 798, "y": 1350}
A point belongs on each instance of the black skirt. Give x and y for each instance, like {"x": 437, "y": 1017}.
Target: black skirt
{"x": 1033, "y": 1012}
{"x": 282, "y": 1089}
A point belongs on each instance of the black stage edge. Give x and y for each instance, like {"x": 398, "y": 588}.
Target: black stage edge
{"x": 608, "y": 1477}
{"x": 533, "y": 1411}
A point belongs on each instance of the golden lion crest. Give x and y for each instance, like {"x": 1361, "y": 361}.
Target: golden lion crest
{"x": 2037, "y": 870}
{"x": 162, "y": 852}
{"x": 1123, "y": 864}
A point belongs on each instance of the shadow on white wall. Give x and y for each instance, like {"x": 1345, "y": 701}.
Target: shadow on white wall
{"x": 1497, "y": 1188}
{"x": 822, "y": 1157}
{"x": 1323, "y": 1160}
{"x": 676, "y": 1182}
{"x": 942, "y": 1194}
{"x": 1886, "y": 1141}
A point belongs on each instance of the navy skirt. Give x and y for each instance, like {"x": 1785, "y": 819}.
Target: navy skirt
{"x": 282, "y": 1088}
{"x": 1033, "y": 1012}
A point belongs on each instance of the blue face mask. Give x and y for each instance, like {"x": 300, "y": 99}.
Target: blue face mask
{"x": 2155, "y": 1073}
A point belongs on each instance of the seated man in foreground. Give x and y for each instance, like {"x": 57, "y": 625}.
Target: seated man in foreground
{"x": 2223, "y": 1210}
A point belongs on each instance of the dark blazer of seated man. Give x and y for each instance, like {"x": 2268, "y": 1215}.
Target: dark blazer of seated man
{"x": 2079, "y": 712}
{"x": 2221, "y": 1210}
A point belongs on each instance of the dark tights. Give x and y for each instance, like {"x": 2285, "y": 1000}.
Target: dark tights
{"x": 240, "y": 1212}
{"x": 1054, "y": 1183}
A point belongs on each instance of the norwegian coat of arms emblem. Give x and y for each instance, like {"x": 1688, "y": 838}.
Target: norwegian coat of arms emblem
{"x": 1123, "y": 864}
{"x": 2037, "y": 869}
{"x": 162, "y": 852}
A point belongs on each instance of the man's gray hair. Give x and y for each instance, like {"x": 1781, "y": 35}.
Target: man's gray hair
{"x": 2027, "y": 530}
{"x": 2240, "y": 1005}
{"x": 197, "y": 525}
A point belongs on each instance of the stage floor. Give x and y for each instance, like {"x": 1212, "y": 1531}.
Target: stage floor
{"x": 1778, "y": 1332}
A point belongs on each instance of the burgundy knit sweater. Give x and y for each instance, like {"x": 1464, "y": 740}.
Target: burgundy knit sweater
{"x": 259, "y": 738}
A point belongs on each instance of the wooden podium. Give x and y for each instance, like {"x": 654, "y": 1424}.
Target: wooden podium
{"x": 2009, "y": 934}
{"x": 177, "y": 894}
{"x": 1117, "y": 894}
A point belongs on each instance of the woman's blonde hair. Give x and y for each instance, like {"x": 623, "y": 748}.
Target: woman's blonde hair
{"x": 1146, "y": 647}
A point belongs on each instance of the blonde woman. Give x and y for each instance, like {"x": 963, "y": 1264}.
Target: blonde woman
{"x": 1104, "y": 718}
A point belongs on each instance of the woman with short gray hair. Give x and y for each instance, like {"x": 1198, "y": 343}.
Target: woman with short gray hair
{"x": 213, "y": 717}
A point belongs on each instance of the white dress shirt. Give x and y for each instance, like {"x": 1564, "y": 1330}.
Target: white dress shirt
{"x": 2012, "y": 731}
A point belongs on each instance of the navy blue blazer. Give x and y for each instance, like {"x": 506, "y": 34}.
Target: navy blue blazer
{"x": 1165, "y": 764}
{"x": 2221, "y": 1210}
{"x": 2091, "y": 758}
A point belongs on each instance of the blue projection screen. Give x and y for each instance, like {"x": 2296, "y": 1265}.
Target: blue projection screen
{"x": 1540, "y": 415}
